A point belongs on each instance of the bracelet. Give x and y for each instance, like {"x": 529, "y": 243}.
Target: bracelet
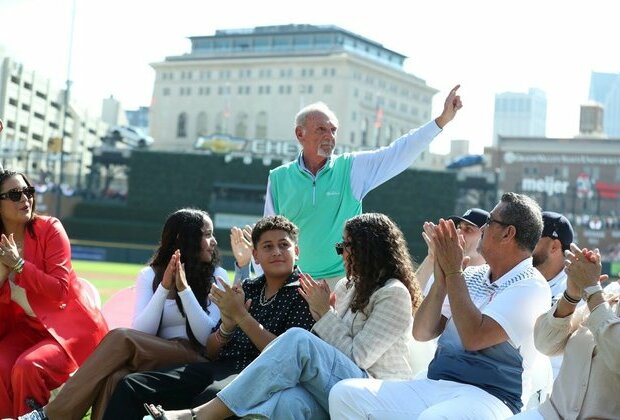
{"x": 224, "y": 332}
{"x": 19, "y": 265}
{"x": 459, "y": 272}
{"x": 220, "y": 338}
{"x": 570, "y": 299}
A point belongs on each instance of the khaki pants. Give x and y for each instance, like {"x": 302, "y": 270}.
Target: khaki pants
{"x": 121, "y": 351}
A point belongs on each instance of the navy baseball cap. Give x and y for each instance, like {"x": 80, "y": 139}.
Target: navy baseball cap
{"x": 556, "y": 226}
{"x": 474, "y": 216}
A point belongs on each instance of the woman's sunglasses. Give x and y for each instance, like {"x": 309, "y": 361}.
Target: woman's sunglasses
{"x": 340, "y": 247}
{"x": 16, "y": 194}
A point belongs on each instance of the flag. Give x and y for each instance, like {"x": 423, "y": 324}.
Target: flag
{"x": 379, "y": 117}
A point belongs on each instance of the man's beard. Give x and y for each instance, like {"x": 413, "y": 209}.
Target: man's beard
{"x": 321, "y": 152}
{"x": 538, "y": 259}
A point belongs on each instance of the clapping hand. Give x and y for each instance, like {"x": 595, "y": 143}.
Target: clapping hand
{"x": 241, "y": 244}
{"x": 583, "y": 266}
{"x": 168, "y": 280}
{"x": 448, "y": 245}
{"x": 427, "y": 233}
{"x": 317, "y": 295}
{"x": 179, "y": 274}
{"x": 9, "y": 254}
{"x": 230, "y": 301}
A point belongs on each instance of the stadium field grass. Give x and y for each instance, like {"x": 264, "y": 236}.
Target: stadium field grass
{"x": 110, "y": 277}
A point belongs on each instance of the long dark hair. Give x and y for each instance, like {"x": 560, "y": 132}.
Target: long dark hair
{"x": 183, "y": 231}
{"x": 378, "y": 252}
{"x": 6, "y": 174}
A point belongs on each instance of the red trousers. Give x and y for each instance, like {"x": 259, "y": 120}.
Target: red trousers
{"x": 32, "y": 363}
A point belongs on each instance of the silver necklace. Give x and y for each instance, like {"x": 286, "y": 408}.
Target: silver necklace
{"x": 264, "y": 302}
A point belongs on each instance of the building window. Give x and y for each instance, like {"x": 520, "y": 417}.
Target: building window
{"x": 261, "y": 125}
{"x": 327, "y": 89}
{"x": 364, "y": 133}
{"x": 241, "y": 125}
{"x": 201, "y": 124}
{"x": 182, "y": 125}
{"x": 165, "y": 91}
{"x": 219, "y": 123}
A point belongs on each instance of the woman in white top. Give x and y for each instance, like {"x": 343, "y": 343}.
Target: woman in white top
{"x": 173, "y": 318}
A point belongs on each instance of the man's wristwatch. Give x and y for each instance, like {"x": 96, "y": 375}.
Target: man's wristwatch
{"x": 590, "y": 290}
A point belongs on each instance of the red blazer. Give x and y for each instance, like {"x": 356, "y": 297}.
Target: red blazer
{"x": 54, "y": 292}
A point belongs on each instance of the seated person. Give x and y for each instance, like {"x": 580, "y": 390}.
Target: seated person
{"x": 548, "y": 258}
{"x": 172, "y": 319}
{"x": 48, "y": 326}
{"x": 366, "y": 333}
{"x": 253, "y": 314}
{"x": 469, "y": 225}
{"x": 484, "y": 317}
{"x": 589, "y": 337}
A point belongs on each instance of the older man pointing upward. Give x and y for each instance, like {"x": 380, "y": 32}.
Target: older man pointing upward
{"x": 319, "y": 191}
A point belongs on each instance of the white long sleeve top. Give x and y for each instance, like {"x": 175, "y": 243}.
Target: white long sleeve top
{"x": 157, "y": 315}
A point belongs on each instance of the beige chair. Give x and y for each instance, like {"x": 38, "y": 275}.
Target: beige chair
{"x": 118, "y": 310}
{"x": 91, "y": 292}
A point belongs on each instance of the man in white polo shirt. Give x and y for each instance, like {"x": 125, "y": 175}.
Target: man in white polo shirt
{"x": 484, "y": 318}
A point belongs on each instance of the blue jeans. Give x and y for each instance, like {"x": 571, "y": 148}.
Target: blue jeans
{"x": 291, "y": 379}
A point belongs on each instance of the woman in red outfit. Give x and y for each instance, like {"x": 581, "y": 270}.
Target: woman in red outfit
{"x": 47, "y": 324}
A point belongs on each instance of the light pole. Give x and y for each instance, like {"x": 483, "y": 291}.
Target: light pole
{"x": 64, "y": 115}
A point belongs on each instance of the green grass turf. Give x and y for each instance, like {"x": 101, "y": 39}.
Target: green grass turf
{"x": 106, "y": 267}
{"x": 110, "y": 277}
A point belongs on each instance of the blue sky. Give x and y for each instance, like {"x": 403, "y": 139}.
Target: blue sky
{"x": 487, "y": 46}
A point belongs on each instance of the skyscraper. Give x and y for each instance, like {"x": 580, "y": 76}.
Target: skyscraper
{"x": 605, "y": 89}
{"x": 520, "y": 114}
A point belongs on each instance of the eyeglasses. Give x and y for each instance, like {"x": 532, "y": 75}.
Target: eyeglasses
{"x": 491, "y": 220}
{"x": 340, "y": 246}
{"x": 16, "y": 194}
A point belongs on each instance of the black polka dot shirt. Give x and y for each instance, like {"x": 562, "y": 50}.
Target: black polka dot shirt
{"x": 284, "y": 310}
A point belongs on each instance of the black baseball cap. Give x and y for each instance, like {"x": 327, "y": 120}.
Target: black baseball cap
{"x": 474, "y": 216}
{"x": 556, "y": 226}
